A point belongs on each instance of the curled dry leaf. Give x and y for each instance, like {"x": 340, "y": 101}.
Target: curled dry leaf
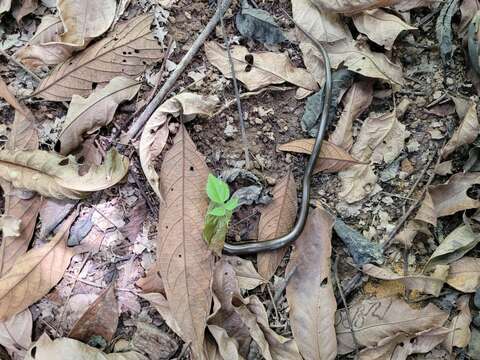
{"x": 124, "y": 52}
{"x": 155, "y": 133}
{"x": 310, "y": 289}
{"x": 64, "y": 348}
{"x": 380, "y": 26}
{"x": 35, "y": 273}
{"x": 56, "y": 176}
{"x": 6, "y": 94}
{"x": 352, "y": 7}
{"x": 464, "y": 274}
{"x": 87, "y": 115}
{"x": 45, "y": 46}
{"x": 449, "y": 198}
{"x": 101, "y": 318}
{"x": 431, "y": 285}
{"x": 357, "y": 182}
{"x": 357, "y": 99}
{"x": 466, "y": 133}
{"x": 16, "y": 333}
{"x": 257, "y": 70}
{"x": 377, "y": 319}
{"x": 277, "y": 219}
{"x": 248, "y": 278}
{"x": 85, "y": 20}
{"x": 459, "y": 335}
{"x": 185, "y": 263}
{"x": 323, "y": 26}
{"x": 331, "y": 158}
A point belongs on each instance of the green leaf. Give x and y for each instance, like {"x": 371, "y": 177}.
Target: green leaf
{"x": 217, "y": 190}
{"x": 218, "y": 211}
{"x": 231, "y": 204}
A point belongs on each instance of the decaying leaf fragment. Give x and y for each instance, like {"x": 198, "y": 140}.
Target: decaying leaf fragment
{"x": 185, "y": 262}
{"x": 466, "y": 133}
{"x": 276, "y": 220}
{"x": 16, "y": 333}
{"x": 376, "y": 319}
{"x": 310, "y": 289}
{"x": 464, "y": 274}
{"x": 352, "y": 7}
{"x": 35, "y": 273}
{"x": 459, "y": 335}
{"x": 331, "y": 158}
{"x": 257, "y": 70}
{"x": 56, "y": 176}
{"x": 124, "y": 52}
{"x": 87, "y": 115}
{"x": 155, "y": 133}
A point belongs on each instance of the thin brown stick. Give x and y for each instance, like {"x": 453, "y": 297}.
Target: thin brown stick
{"x": 345, "y": 304}
{"x": 136, "y": 128}
{"x": 18, "y": 63}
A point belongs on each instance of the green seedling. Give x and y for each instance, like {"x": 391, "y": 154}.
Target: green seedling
{"x": 220, "y": 211}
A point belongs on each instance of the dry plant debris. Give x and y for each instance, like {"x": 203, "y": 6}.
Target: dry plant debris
{"x": 113, "y": 115}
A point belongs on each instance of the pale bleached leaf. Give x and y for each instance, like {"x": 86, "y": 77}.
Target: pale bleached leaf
{"x": 464, "y": 274}
{"x": 466, "y": 133}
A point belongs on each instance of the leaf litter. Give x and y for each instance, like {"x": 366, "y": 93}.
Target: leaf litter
{"x": 396, "y": 181}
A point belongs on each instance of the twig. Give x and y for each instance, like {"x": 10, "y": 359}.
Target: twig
{"x": 345, "y": 305}
{"x": 18, "y": 63}
{"x": 226, "y": 40}
{"x": 165, "y": 89}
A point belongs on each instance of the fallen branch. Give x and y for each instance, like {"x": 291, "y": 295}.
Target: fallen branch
{"x": 136, "y": 128}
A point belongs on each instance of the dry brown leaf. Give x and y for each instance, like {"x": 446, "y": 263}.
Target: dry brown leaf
{"x": 260, "y": 69}
{"x": 16, "y": 333}
{"x": 45, "y": 46}
{"x": 444, "y": 168}
{"x": 248, "y": 278}
{"x": 310, "y": 289}
{"x": 377, "y": 319}
{"x": 155, "y": 133}
{"x": 151, "y": 282}
{"x": 87, "y": 115}
{"x": 85, "y": 20}
{"x": 357, "y": 182}
{"x": 355, "y": 102}
{"x": 277, "y": 219}
{"x": 101, "y": 318}
{"x": 161, "y": 305}
{"x": 185, "y": 262}
{"x": 12, "y": 100}
{"x": 22, "y": 137}
{"x": 227, "y": 346}
{"x": 468, "y": 9}
{"x": 331, "y": 159}
{"x": 56, "y": 176}
{"x": 466, "y": 133}
{"x": 323, "y": 26}
{"x": 35, "y": 273}
{"x": 352, "y": 7}
{"x": 64, "y": 348}
{"x": 356, "y": 56}
{"x": 431, "y": 285}
{"x": 26, "y": 7}
{"x": 464, "y": 274}
{"x": 459, "y": 335}
{"x": 448, "y": 198}
{"x": 5, "y": 5}
{"x": 124, "y": 52}
{"x": 380, "y": 26}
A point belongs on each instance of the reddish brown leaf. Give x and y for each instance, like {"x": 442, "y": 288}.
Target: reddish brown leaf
{"x": 101, "y": 318}
{"x": 276, "y": 220}
{"x": 310, "y": 291}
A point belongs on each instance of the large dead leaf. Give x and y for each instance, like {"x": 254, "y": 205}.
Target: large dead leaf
{"x": 357, "y": 99}
{"x": 16, "y": 333}
{"x": 331, "y": 158}
{"x": 257, "y": 70}
{"x": 87, "y": 115}
{"x": 310, "y": 289}
{"x": 56, "y": 176}
{"x": 323, "y": 26}
{"x": 45, "y": 46}
{"x": 380, "y": 26}
{"x": 35, "y": 273}
{"x": 85, "y": 20}
{"x": 425, "y": 284}
{"x": 377, "y": 319}
{"x": 276, "y": 220}
{"x": 464, "y": 274}
{"x": 449, "y": 198}
{"x": 466, "y": 133}
{"x": 185, "y": 262}
{"x": 124, "y": 52}
{"x": 64, "y": 348}
{"x": 459, "y": 335}
{"x": 155, "y": 133}
{"x": 101, "y": 318}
